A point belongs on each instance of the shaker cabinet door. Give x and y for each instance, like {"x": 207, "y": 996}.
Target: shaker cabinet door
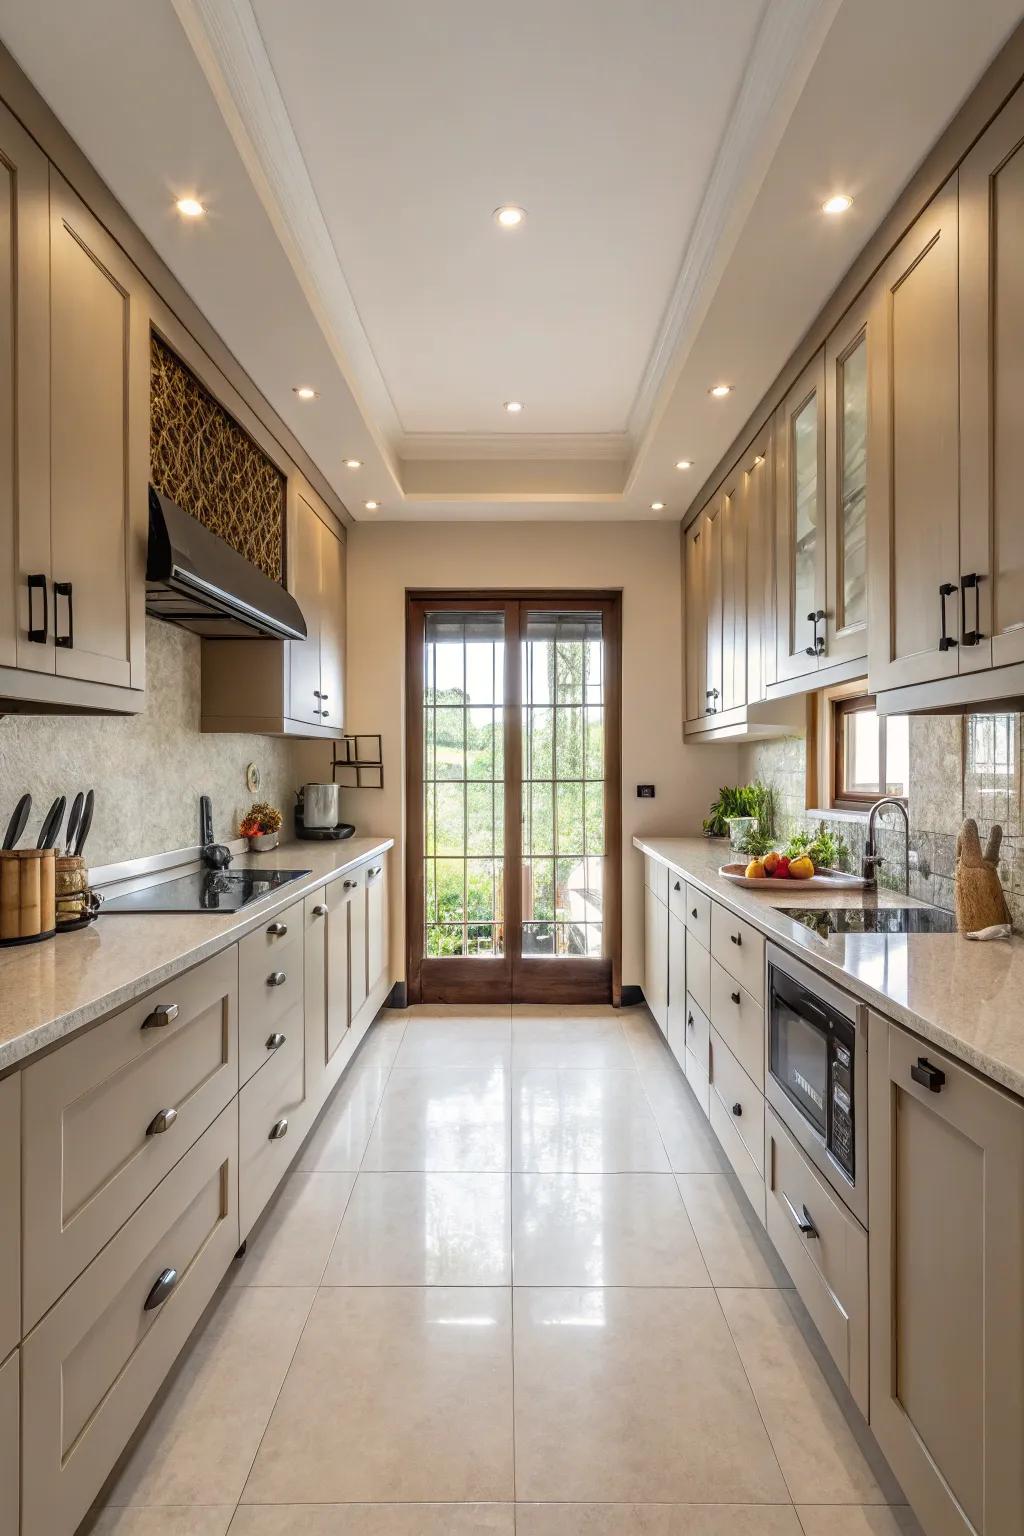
{"x": 800, "y": 525}
{"x": 305, "y": 585}
{"x": 846, "y": 487}
{"x": 332, "y": 630}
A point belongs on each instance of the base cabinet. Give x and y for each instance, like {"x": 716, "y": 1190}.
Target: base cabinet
{"x": 946, "y": 1170}
{"x": 676, "y": 1017}
{"x": 10, "y": 1445}
{"x": 656, "y": 957}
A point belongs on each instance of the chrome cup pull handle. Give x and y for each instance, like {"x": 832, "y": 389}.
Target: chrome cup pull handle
{"x": 320, "y": 910}
{"x": 165, "y": 1284}
{"x": 276, "y": 1040}
{"x": 161, "y": 1122}
{"x": 279, "y": 1130}
{"x": 163, "y": 1013}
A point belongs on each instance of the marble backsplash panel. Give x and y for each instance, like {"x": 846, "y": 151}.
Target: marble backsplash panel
{"x": 148, "y": 770}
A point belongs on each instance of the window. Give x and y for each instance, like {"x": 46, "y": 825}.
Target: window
{"x": 870, "y": 753}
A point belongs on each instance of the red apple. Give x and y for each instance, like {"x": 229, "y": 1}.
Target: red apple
{"x": 781, "y": 870}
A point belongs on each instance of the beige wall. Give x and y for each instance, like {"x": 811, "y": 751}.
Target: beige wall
{"x": 642, "y": 559}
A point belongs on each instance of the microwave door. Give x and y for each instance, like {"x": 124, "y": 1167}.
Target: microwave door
{"x": 800, "y": 1060}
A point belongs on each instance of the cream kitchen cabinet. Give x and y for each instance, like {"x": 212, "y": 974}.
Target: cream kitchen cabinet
{"x": 846, "y": 488}
{"x": 800, "y": 525}
{"x": 702, "y": 578}
{"x": 10, "y": 1445}
{"x": 946, "y": 1169}
{"x": 10, "y": 1215}
{"x": 675, "y": 1024}
{"x": 656, "y": 957}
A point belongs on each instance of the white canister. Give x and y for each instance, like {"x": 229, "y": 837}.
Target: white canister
{"x": 320, "y": 805}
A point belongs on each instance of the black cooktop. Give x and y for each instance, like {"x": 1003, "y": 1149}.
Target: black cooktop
{"x": 208, "y": 890}
{"x": 826, "y": 921}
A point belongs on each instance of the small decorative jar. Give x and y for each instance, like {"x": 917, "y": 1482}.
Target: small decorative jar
{"x": 263, "y": 842}
{"x": 739, "y": 827}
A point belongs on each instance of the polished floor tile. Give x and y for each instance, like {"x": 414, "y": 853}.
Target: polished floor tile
{"x": 656, "y": 1520}
{"x": 689, "y": 1141}
{"x": 180, "y": 1520}
{"x": 602, "y": 1229}
{"x": 452, "y": 1038}
{"x": 394, "y": 1395}
{"x": 293, "y": 1241}
{"x": 424, "y": 1229}
{"x": 199, "y": 1445}
{"x": 857, "y": 1520}
{"x": 442, "y": 1120}
{"x": 584, "y": 1120}
{"x": 339, "y": 1139}
{"x": 821, "y": 1459}
{"x": 633, "y": 1394}
{"x": 735, "y": 1247}
{"x": 375, "y": 1520}
{"x": 568, "y": 1037}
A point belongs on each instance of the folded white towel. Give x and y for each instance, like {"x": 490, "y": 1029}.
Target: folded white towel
{"x": 997, "y": 931}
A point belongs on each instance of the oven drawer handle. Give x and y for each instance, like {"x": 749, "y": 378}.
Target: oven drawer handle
{"x": 928, "y": 1076}
{"x": 801, "y": 1217}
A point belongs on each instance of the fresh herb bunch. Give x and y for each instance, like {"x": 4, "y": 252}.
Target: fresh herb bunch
{"x": 260, "y": 819}
{"x": 825, "y": 849}
{"x": 757, "y": 799}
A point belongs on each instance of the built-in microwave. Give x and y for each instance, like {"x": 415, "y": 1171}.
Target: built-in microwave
{"x": 817, "y": 1073}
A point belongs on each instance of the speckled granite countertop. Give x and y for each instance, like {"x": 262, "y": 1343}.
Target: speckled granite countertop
{"x": 49, "y": 991}
{"x": 965, "y": 996}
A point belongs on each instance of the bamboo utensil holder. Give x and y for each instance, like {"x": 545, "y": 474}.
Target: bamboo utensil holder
{"x": 28, "y": 911}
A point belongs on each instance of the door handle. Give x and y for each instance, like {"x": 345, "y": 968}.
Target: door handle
{"x": 818, "y": 647}
{"x": 64, "y": 589}
{"x": 279, "y": 1130}
{"x": 801, "y": 1218}
{"x": 278, "y": 930}
{"x": 735, "y": 997}
{"x": 946, "y": 642}
{"x": 162, "y": 1015}
{"x": 971, "y": 583}
{"x": 161, "y": 1122}
{"x": 37, "y": 633}
{"x": 165, "y": 1284}
{"x": 737, "y": 938}
{"x": 928, "y": 1076}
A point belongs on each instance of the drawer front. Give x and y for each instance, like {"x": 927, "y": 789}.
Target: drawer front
{"x": 656, "y": 877}
{"x": 828, "y": 1263}
{"x": 92, "y": 1148}
{"x": 698, "y": 1081}
{"x": 92, "y": 1366}
{"x": 10, "y": 1215}
{"x": 270, "y": 986}
{"x": 735, "y": 1149}
{"x": 739, "y": 949}
{"x": 739, "y": 1019}
{"x": 698, "y": 1034}
{"x": 698, "y": 971}
{"x": 677, "y": 895}
{"x": 10, "y": 1430}
{"x": 698, "y": 915}
{"x": 273, "y": 1116}
{"x": 377, "y": 957}
{"x": 740, "y": 1098}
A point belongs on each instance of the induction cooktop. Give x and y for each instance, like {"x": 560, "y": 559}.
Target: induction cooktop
{"x": 208, "y": 890}
{"x": 826, "y": 921}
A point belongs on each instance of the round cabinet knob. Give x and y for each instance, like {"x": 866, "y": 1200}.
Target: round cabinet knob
{"x": 161, "y": 1122}
{"x": 277, "y": 930}
{"x": 278, "y": 979}
{"x": 163, "y": 1287}
{"x": 320, "y": 911}
{"x": 163, "y": 1014}
{"x": 349, "y": 885}
{"x": 373, "y": 873}
{"x": 324, "y": 713}
{"x": 737, "y": 1110}
{"x": 276, "y": 1040}
{"x": 280, "y": 1130}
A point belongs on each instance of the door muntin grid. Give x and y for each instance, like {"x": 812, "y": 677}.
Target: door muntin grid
{"x": 564, "y": 852}
{"x": 463, "y": 784}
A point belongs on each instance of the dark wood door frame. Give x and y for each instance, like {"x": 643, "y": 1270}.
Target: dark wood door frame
{"x": 530, "y": 978}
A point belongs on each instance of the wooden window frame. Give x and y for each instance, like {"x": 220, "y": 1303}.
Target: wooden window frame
{"x": 841, "y": 798}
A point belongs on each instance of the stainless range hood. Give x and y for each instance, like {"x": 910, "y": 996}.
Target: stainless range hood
{"x": 196, "y": 580}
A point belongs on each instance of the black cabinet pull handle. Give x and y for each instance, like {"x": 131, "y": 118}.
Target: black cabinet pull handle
{"x": 678, "y": 886}
{"x": 63, "y": 589}
{"x": 735, "y": 996}
{"x": 165, "y": 1284}
{"x": 818, "y": 647}
{"x": 693, "y": 911}
{"x": 689, "y": 1021}
{"x": 711, "y": 693}
{"x": 38, "y": 633}
{"x": 946, "y": 642}
{"x": 970, "y": 583}
{"x": 737, "y": 938}
{"x": 737, "y": 1110}
{"x": 928, "y": 1076}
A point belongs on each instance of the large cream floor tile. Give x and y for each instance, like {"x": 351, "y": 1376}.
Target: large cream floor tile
{"x": 633, "y": 1394}
{"x": 200, "y": 1443}
{"x": 736, "y": 1249}
{"x": 655, "y": 1520}
{"x": 394, "y": 1395}
{"x": 424, "y": 1229}
{"x": 602, "y": 1229}
{"x": 456, "y": 1038}
{"x": 339, "y": 1139}
{"x": 858, "y": 1520}
{"x": 568, "y": 1037}
{"x": 375, "y": 1520}
{"x": 689, "y": 1140}
{"x": 183, "y": 1520}
{"x": 442, "y": 1120}
{"x": 583, "y": 1121}
{"x": 822, "y": 1461}
{"x": 293, "y": 1241}
{"x": 646, "y": 1042}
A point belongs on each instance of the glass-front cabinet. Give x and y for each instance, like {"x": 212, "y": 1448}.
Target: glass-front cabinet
{"x": 846, "y": 489}
{"x": 800, "y": 527}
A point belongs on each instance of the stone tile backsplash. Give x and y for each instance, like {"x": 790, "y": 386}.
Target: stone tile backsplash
{"x": 960, "y": 766}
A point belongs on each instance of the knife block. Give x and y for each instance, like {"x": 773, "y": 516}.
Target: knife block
{"x": 28, "y": 910}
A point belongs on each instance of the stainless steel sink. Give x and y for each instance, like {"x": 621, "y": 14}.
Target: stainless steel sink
{"x": 826, "y": 921}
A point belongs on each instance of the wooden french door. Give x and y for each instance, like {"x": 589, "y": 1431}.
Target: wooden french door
{"x": 514, "y": 818}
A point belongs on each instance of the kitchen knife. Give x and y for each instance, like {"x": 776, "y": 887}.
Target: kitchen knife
{"x": 16, "y": 825}
{"x": 51, "y": 826}
{"x": 73, "y": 820}
{"x": 83, "y": 831}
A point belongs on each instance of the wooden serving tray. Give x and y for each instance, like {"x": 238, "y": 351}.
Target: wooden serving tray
{"x": 824, "y": 880}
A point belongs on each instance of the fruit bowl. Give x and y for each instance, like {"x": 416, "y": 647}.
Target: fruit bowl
{"x": 822, "y": 879}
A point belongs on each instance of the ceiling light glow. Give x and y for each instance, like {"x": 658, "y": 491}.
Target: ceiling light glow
{"x": 513, "y": 407}
{"x": 190, "y": 207}
{"x": 305, "y": 391}
{"x": 371, "y": 506}
{"x": 353, "y": 463}
{"x": 719, "y": 391}
{"x": 657, "y": 506}
{"x": 509, "y": 216}
{"x": 684, "y": 463}
{"x": 838, "y": 203}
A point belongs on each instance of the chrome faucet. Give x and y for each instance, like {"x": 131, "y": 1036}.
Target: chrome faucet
{"x": 872, "y": 858}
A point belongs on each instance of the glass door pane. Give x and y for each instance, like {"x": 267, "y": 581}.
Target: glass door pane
{"x": 805, "y": 521}
{"x": 463, "y": 784}
{"x": 563, "y": 784}
{"x": 853, "y": 486}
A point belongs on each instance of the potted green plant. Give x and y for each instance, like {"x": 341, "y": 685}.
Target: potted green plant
{"x": 260, "y": 826}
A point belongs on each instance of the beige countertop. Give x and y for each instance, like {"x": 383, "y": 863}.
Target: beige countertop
{"x": 965, "y": 996}
{"x": 50, "y": 990}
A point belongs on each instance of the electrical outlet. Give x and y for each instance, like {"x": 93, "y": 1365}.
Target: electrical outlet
{"x": 645, "y": 791}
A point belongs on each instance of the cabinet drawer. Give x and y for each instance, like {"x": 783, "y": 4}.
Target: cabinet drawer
{"x": 739, "y": 949}
{"x": 10, "y": 1216}
{"x": 92, "y": 1151}
{"x": 740, "y": 1098}
{"x": 656, "y": 877}
{"x": 698, "y": 971}
{"x": 739, "y": 1019}
{"x": 829, "y": 1264}
{"x": 677, "y": 895}
{"x": 270, "y": 986}
{"x": 734, "y": 1147}
{"x": 377, "y": 957}
{"x": 92, "y": 1366}
{"x": 10, "y": 1430}
{"x": 697, "y": 1078}
{"x": 272, "y": 1120}
{"x": 698, "y": 915}
{"x": 698, "y": 1034}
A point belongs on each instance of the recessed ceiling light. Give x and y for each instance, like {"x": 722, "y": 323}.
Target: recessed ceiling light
{"x": 513, "y": 407}
{"x": 837, "y": 204}
{"x": 508, "y": 216}
{"x": 371, "y": 506}
{"x": 353, "y": 463}
{"x": 305, "y": 391}
{"x": 720, "y": 391}
{"x": 684, "y": 463}
{"x": 190, "y": 207}
{"x": 657, "y": 506}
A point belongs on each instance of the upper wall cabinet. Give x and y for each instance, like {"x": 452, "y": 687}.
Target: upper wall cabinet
{"x": 800, "y": 524}
{"x": 846, "y": 489}
{"x": 315, "y": 675}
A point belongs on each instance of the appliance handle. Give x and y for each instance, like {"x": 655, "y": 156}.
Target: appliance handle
{"x": 801, "y": 1218}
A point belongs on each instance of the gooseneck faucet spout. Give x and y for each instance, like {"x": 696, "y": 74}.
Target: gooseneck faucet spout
{"x": 872, "y": 858}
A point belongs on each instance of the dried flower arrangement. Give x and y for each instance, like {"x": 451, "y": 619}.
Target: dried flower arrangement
{"x": 261, "y": 824}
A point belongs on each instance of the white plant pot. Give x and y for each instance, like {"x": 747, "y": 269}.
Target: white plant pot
{"x": 263, "y": 842}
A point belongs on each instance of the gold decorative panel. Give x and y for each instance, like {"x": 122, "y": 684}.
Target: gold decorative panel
{"x": 202, "y": 459}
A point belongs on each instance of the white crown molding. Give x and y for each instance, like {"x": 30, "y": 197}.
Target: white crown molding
{"x": 586, "y": 446}
{"x": 788, "y": 40}
{"x": 226, "y": 39}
